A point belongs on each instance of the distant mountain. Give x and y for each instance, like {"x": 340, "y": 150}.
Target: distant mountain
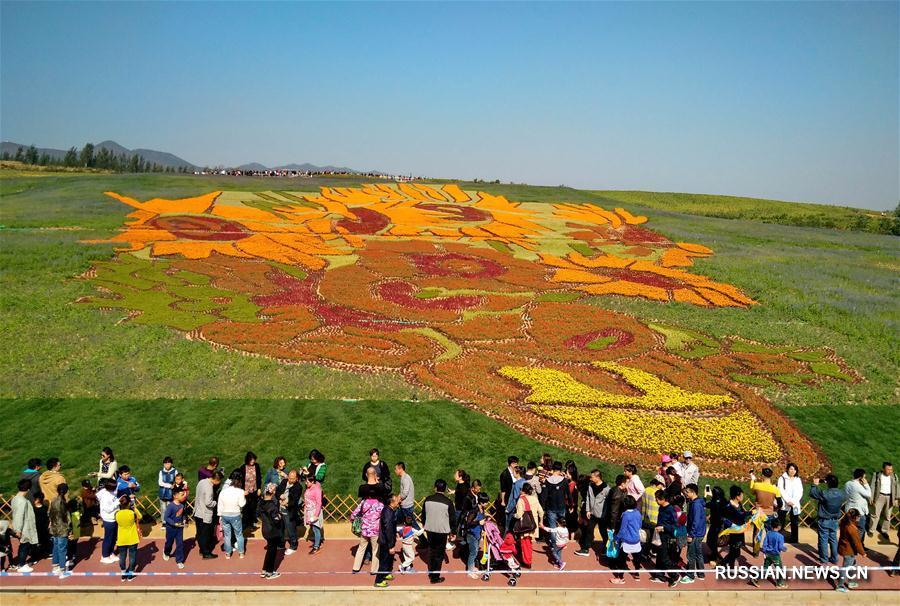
{"x": 306, "y": 166}
{"x": 149, "y": 155}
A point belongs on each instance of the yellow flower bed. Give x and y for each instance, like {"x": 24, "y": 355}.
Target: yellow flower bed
{"x": 550, "y": 386}
{"x": 733, "y": 436}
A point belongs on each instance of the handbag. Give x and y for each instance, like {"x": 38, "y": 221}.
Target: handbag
{"x": 356, "y": 523}
{"x": 612, "y": 547}
{"x": 525, "y": 524}
{"x": 220, "y": 534}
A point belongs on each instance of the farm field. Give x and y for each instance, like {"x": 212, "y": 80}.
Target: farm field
{"x": 782, "y": 338}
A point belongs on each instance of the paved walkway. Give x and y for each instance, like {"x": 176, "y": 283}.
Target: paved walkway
{"x": 331, "y": 568}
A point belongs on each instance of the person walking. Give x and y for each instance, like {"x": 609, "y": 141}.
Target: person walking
{"x": 368, "y": 510}
{"x": 885, "y": 497}
{"x": 555, "y": 495}
{"x": 407, "y": 494}
{"x": 665, "y": 525}
{"x": 696, "y": 531}
{"x": 24, "y": 526}
{"x": 830, "y": 501}
{"x": 127, "y": 537}
{"x": 60, "y": 531}
{"x": 270, "y": 514}
{"x": 858, "y": 493}
{"x": 791, "y": 487}
{"x": 387, "y": 541}
{"x": 437, "y": 513}
{"x": 312, "y": 512}
{"x": 204, "y": 512}
{"x": 772, "y": 547}
{"x": 173, "y": 518}
{"x": 288, "y": 495}
{"x": 252, "y": 482}
{"x": 734, "y": 516}
{"x": 527, "y": 530}
{"x": 716, "y": 506}
{"x": 232, "y": 500}
{"x": 595, "y": 505}
{"x": 850, "y": 546}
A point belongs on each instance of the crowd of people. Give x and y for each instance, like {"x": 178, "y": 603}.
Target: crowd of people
{"x": 670, "y": 525}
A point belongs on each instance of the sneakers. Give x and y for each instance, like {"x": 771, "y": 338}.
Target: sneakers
{"x": 686, "y": 580}
{"x": 26, "y": 568}
{"x": 209, "y": 556}
{"x": 263, "y": 574}
{"x": 656, "y": 580}
{"x": 673, "y": 583}
{"x": 450, "y": 546}
{"x": 583, "y": 553}
{"x": 242, "y": 555}
{"x": 562, "y": 566}
{"x": 381, "y": 584}
{"x": 314, "y": 551}
{"x": 852, "y": 585}
{"x": 109, "y": 560}
{"x": 473, "y": 575}
{"x": 65, "y": 574}
{"x": 180, "y": 565}
{"x": 273, "y": 575}
{"x": 289, "y": 551}
{"x": 55, "y": 570}
{"x": 842, "y": 589}
{"x": 616, "y": 581}
{"x": 437, "y": 580}
{"x": 165, "y": 557}
{"x": 389, "y": 577}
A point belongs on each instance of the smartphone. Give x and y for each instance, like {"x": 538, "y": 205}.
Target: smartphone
{"x": 707, "y": 491}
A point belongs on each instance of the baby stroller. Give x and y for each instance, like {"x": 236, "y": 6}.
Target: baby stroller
{"x": 499, "y": 551}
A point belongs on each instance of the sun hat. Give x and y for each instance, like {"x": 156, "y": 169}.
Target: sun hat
{"x": 688, "y": 454}
{"x": 666, "y": 458}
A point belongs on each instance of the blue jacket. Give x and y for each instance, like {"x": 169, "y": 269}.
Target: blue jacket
{"x": 387, "y": 531}
{"x": 630, "y": 527}
{"x": 174, "y": 515}
{"x": 773, "y": 544}
{"x": 696, "y": 518}
{"x": 514, "y": 495}
{"x": 830, "y": 502}
{"x": 124, "y": 490}
{"x": 667, "y": 519}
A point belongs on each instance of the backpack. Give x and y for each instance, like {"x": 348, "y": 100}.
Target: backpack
{"x": 556, "y": 494}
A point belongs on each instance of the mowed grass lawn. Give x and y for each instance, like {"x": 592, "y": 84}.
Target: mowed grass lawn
{"x": 75, "y": 380}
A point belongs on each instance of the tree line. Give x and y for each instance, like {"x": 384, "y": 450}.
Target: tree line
{"x": 91, "y": 157}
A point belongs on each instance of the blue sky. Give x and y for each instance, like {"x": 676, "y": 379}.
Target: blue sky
{"x": 790, "y": 101}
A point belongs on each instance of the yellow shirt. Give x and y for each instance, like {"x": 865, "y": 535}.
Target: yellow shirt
{"x": 127, "y": 533}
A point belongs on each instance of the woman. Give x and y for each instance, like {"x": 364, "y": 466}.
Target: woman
{"x": 528, "y": 502}
{"x": 628, "y": 537}
{"x": 109, "y": 468}
{"x": 208, "y": 470}
{"x": 313, "y": 517}
{"x": 250, "y": 474}
{"x": 471, "y": 523}
{"x": 572, "y": 496}
{"x": 127, "y": 538}
{"x": 734, "y": 516}
{"x": 369, "y": 511}
{"x": 316, "y": 466}
{"x": 849, "y": 546}
{"x": 277, "y": 472}
{"x": 460, "y": 494}
{"x": 270, "y": 514}
{"x": 791, "y": 487}
{"x": 716, "y": 506}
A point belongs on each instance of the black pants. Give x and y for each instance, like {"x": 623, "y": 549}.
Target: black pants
{"x": 789, "y": 537}
{"x": 586, "y": 540}
{"x": 621, "y": 562}
{"x": 385, "y": 562}
{"x": 735, "y": 542}
{"x": 664, "y": 558}
{"x": 204, "y": 537}
{"x": 437, "y": 545}
{"x": 249, "y": 512}
{"x": 271, "y": 552}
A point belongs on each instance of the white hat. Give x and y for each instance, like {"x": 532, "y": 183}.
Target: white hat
{"x": 688, "y": 454}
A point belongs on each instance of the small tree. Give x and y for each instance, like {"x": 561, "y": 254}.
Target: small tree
{"x": 87, "y": 155}
{"x": 31, "y": 155}
{"x": 71, "y": 158}
{"x": 20, "y": 154}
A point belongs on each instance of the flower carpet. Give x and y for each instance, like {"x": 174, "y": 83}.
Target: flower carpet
{"x": 494, "y": 303}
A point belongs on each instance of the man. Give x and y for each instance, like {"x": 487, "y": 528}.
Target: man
{"x": 594, "y": 504}
{"x": 633, "y": 484}
{"x": 666, "y": 523}
{"x": 23, "y": 524}
{"x": 173, "y": 519}
{"x": 32, "y": 472}
{"x": 696, "y": 531}
{"x": 407, "y": 494}
{"x": 506, "y": 484}
{"x": 288, "y": 495}
{"x": 382, "y": 472}
{"x": 858, "y": 494}
{"x": 690, "y": 473}
{"x": 513, "y": 498}
{"x": 204, "y": 512}
{"x": 437, "y": 512}
{"x": 830, "y": 503}
{"x": 51, "y": 479}
{"x": 387, "y": 541}
{"x": 768, "y": 499}
{"x": 556, "y": 488}
{"x": 614, "y": 509}
{"x": 885, "y": 496}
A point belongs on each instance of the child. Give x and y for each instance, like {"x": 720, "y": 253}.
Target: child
{"x": 408, "y": 535}
{"x": 166, "y": 481}
{"x": 127, "y": 537}
{"x": 173, "y": 518}
{"x": 772, "y": 547}
{"x": 42, "y": 521}
{"x": 678, "y": 502}
{"x": 181, "y": 484}
{"x": 6, "y": 552}
{"x": 849, "y": 546}
{"x": 559, "y": 538}
{"x": 127, "y": 485}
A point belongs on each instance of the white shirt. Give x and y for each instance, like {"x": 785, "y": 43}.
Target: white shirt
{"x": 231, "y": 500}
{"x": 791, "y": 491}
{"x": 690, "y": 474}
{"x": 885, "y": 486}
{"x": 109, "y": 505}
